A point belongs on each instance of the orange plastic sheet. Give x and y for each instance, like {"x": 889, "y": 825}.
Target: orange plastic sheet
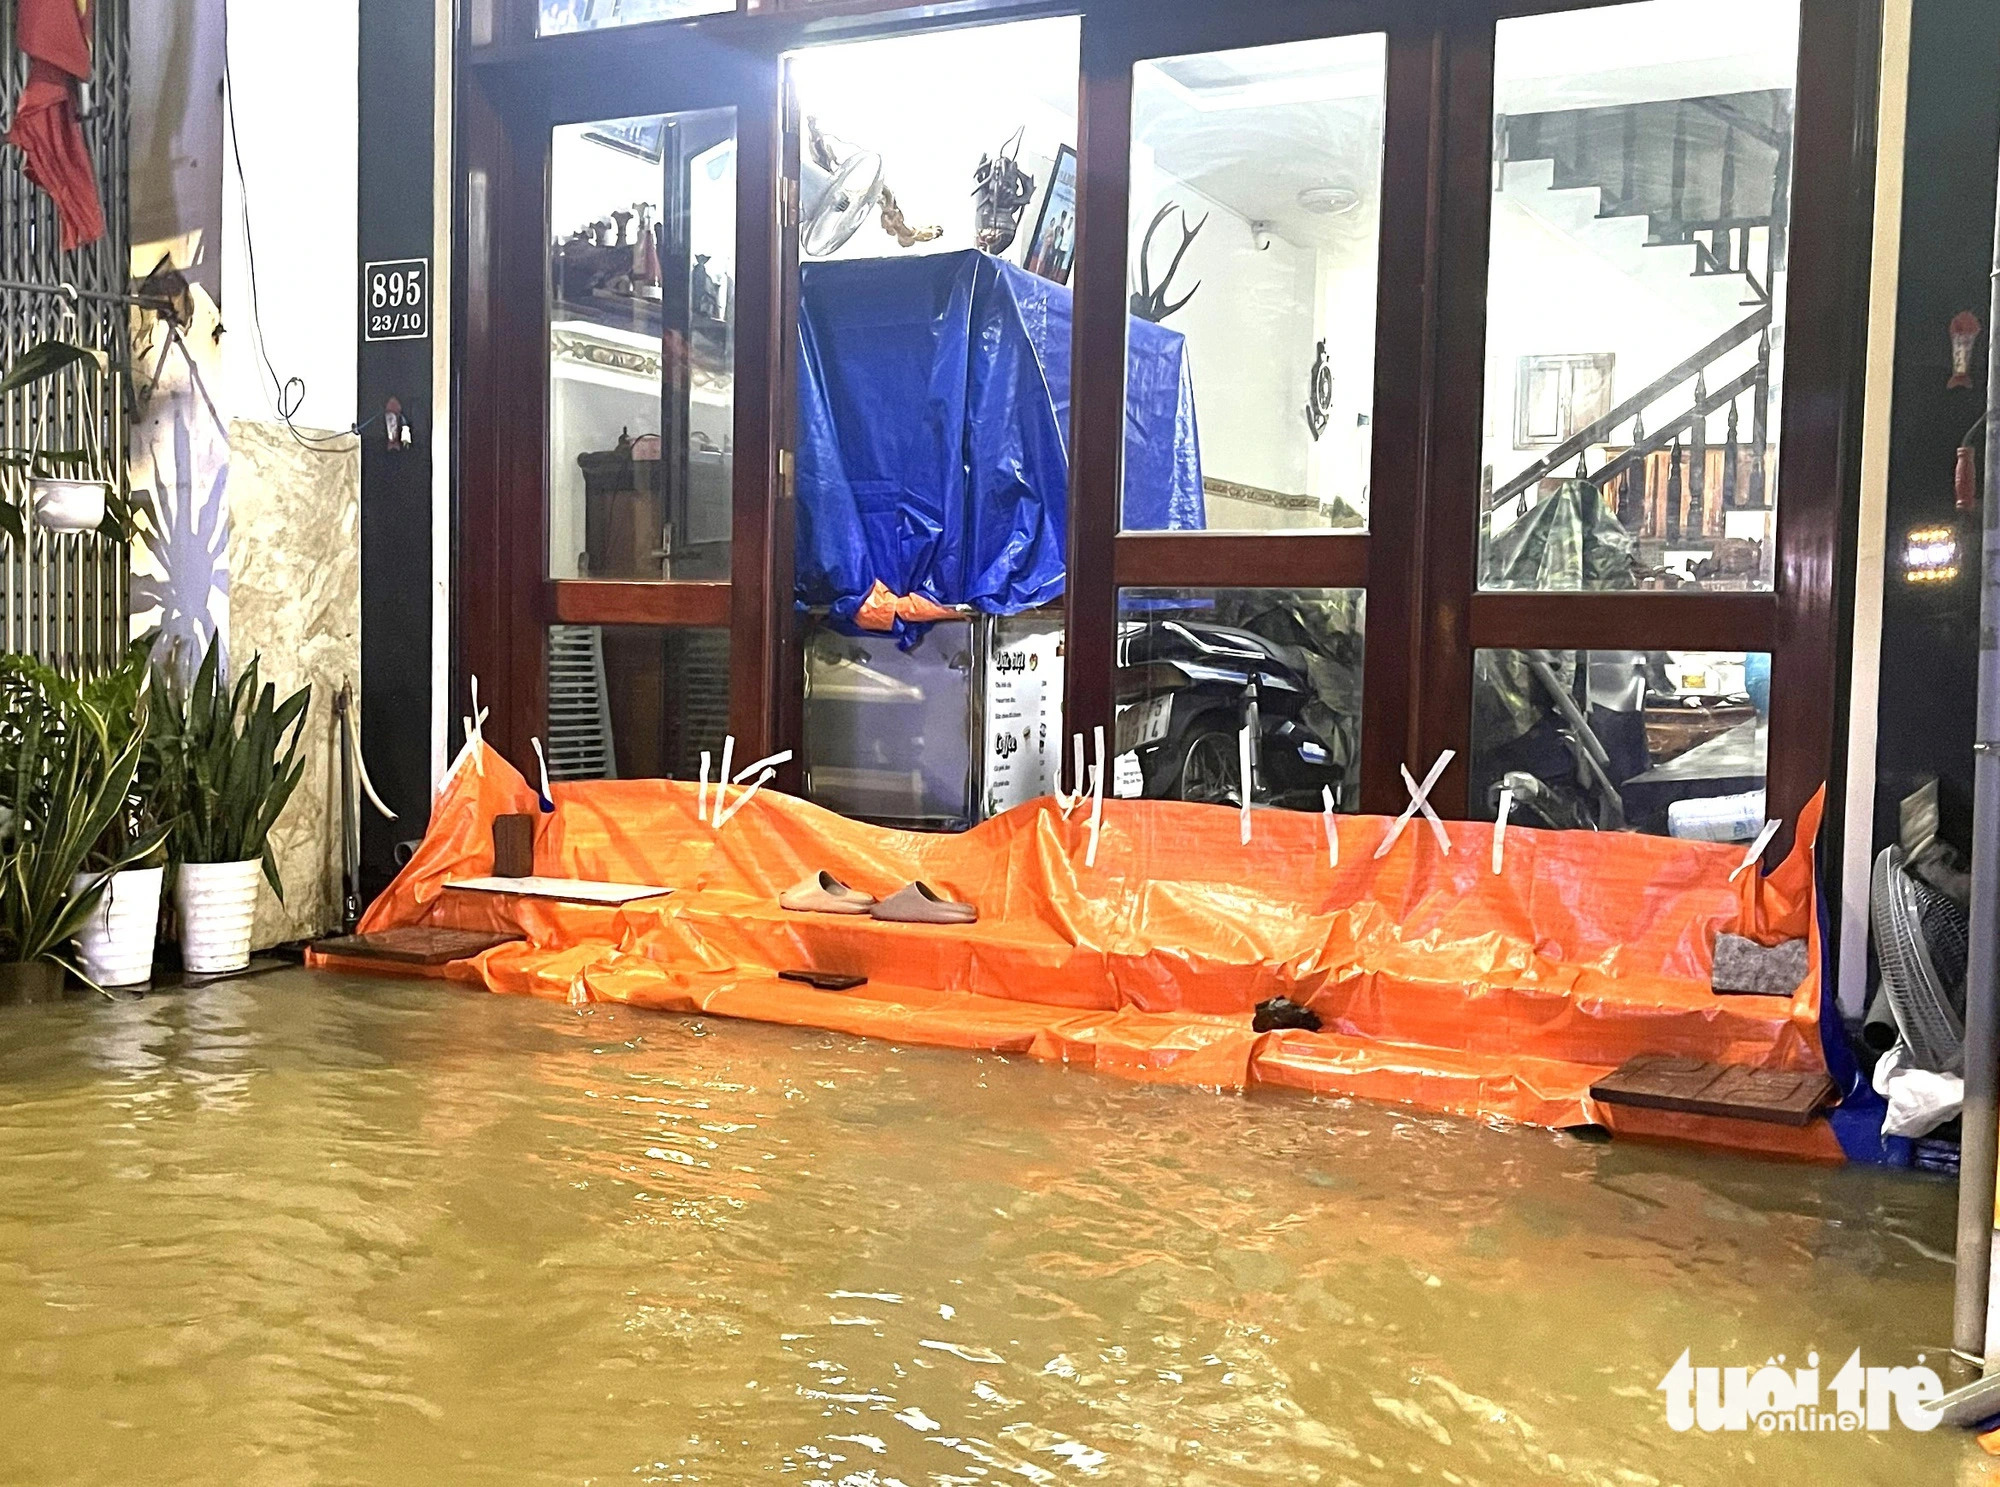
{"x": 1439, "y": 983}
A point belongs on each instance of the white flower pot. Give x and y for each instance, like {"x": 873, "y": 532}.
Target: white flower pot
{"x": 217, "y": 902}
{"x": 63, "y": 505}
{"x": 116, "y": 943}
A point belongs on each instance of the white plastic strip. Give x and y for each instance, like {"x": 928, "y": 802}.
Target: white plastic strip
{"x": 722, "y": 780}
{"x": 1419, "y": 802}
{"x": 1500, "y": 830}
{"x": 1066, "y": 800}
{"x": 1243, "y": 783}
{"x": 769, "y": 761}
{"x": 1096, "y": 799}
{"x": 465, "y": 752}
{"x": 475, "y": 730}
{"x": 722, "y": 816}
{"x": 1332, "y": 826}
{"x": 1756, "y": 850}
{"x": 701, "y": 800}
{"x": 361, "y": 772}
{"x": 548, "y": 798}
{"x": 1424, "y": 805}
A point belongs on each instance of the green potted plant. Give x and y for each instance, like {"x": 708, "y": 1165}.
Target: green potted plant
{"x": 116, "y": 944}
{"x": 65, "y": 492}
{"x": 64, "y": 777}
{"x": 228, "y": 760}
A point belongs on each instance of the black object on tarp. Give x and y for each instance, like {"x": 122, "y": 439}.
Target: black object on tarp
{"x": 1283, "y": 1012}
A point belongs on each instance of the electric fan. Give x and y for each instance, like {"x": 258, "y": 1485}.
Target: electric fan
{"x": 1920, "y": 940}
{"x": 833, "y": 204}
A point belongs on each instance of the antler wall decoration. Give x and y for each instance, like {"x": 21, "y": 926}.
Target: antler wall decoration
{"x": 1151, "y": 303}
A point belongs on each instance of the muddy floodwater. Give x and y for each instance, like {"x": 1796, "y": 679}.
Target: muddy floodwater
{"x": 298, "y": 1229}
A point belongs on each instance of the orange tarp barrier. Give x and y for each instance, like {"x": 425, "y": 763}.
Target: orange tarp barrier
{"x": 1438, "y": 983}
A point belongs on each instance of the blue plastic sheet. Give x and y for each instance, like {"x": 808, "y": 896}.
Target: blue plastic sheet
{"x": 934, "y": 417}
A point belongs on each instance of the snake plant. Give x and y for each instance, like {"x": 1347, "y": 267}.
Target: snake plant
{"x": 66, "y": 775}
{"x": 229, "y": 761}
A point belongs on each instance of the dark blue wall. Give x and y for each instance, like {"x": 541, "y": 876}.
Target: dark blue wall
{"x": 1930, "y": 636}
{"x": 397, "y": 51}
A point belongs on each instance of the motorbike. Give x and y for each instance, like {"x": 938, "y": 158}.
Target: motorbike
{"x": 1188, "y": 689}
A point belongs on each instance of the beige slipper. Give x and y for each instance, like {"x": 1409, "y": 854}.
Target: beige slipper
{"x": 922, "y": 904}
{"x": 823, "y": 893}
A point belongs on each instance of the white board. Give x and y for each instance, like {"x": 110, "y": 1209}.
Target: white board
{"x": 569, "y": 890}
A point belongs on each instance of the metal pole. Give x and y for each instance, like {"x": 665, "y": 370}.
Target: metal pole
{"x": 1980, "y": 1149}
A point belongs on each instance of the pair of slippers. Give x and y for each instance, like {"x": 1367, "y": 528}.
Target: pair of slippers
{"x": 917, "y": 903}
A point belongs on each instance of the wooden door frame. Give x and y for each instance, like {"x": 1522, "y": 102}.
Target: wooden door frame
{"x": 1386, "y": 559}
{"x": 1418, "y": 560}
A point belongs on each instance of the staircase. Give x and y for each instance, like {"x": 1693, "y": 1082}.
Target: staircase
{"x": 1707, "y": 174}
{"x": 1704, "y": 172}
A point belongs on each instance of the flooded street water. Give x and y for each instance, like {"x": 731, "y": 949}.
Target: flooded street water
{"x": 302, "y": 1230}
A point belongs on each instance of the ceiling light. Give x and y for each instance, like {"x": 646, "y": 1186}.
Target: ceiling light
{"x": 1330, "y": 201}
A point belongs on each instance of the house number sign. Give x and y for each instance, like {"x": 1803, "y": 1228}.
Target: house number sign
{"x": 396, "y": 299}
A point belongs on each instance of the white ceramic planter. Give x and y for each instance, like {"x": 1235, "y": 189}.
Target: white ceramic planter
{"x": 217, "y": 901}
{"x": 67, "y": 505}
{"x": 116, "y": 944}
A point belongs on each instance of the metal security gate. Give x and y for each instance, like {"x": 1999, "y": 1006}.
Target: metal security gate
{"x": 66, "y": 599}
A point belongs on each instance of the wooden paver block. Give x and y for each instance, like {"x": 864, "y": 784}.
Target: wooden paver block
{"x": 419, "y": 945}
{"x": 1665, "y": 1081}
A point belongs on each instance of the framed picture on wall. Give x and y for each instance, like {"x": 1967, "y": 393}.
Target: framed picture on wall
{"x": 1554, "y": 396}
{"x": 1052, "y": 249}
{"x": 646, "y": 138}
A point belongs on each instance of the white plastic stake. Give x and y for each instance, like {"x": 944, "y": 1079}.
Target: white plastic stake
{"x": 701, "y": 800}
{"x": 783, "y": 756}
{"x": 1332, "y": 826}
{"x": 722, "y": 780}
{"x": 1243, "y": 783}
{"x": 1419, "y": 801}
{"x": 1500, "y": 830}
{"x": 722, "y": 816}
{"x": 1756, "y": 850}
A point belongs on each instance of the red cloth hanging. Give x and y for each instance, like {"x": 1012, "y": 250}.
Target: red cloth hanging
{"x": 56, "y": 36}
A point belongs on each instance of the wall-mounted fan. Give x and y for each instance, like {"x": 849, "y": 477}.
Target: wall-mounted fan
{"x": 837, "y": 193}
{"x": 834, "y": 203}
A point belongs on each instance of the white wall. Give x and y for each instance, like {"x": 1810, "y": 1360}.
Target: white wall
{"x": 176, "y": 132}
{"x": 295, "y": 72}
{"x": 931, "y": 105}
{"x": 1249, "y": 329}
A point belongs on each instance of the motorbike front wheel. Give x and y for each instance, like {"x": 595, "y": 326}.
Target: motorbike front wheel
{"x": 1209, "y": 767}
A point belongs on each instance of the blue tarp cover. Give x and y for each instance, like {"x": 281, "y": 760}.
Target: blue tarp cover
{"x": 934, "y": 414}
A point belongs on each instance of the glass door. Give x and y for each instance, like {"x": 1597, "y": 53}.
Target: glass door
{"x": 658, "y": 482}
{"x": 1237, "y": 469}
{"x": 641, "y": 439}
{"x": 935, "y": 187}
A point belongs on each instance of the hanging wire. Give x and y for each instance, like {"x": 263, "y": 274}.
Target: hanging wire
{"x": 290, "y": 391}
